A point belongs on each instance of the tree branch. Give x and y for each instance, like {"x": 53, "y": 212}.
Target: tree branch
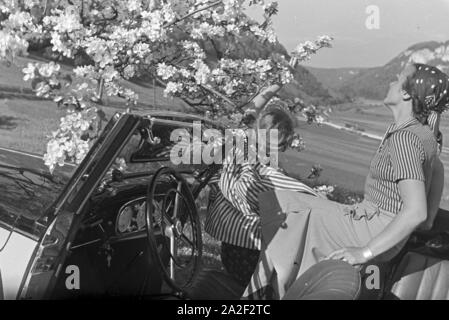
{"x": 211, "y": 90}
{"x": 194, "y": 105}
{"x": 216, "y": 3}
{"x": 45, "y": 8}
{"x": 215, "y": 92}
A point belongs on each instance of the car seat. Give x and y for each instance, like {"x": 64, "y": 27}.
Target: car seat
{"x": 421, "y": 277}
{"x": 327, "y": 280}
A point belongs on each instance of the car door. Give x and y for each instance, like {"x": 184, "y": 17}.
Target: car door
{"x": 46, "y": 255}
{"x": 25, "y": 192}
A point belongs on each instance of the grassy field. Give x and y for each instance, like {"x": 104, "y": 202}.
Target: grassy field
{"x": 25, "y": 124}
{"x": 373, "y": 117}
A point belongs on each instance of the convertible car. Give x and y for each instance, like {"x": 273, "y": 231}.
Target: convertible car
{"x": 94, "y": 234}
{"x": 102, "y": 231}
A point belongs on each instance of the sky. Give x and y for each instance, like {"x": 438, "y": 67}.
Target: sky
{"x": 402, "y": 23}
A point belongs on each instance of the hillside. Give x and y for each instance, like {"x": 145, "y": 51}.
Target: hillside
{"x": 372, "y": 83}
{"x": 333, "y": 77}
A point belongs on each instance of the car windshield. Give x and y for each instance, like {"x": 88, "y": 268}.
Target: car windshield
{"x": 146, "y": 156}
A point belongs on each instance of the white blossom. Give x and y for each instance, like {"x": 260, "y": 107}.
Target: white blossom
{"x": 11, "y": 45}
{"x": 64, "y": 21}
{"x": 129, "y": 71}
{"x": 29, "y": 71}
{"x": 141, "y": 49}
{"x": 172, "y": 87}
{"x": 67, "y": 142}
{"x": 48, "y": 69}
{"x": 60, "y": 45}
{"x": 286, "y": 76}
{"x": 133, "y": 5}
{"x": 121, "y": 38}
{"x": 165, "y": 71}
{"x": 202, "y": 71}
{"x": 194, "y": 49}
{"x": 305, "y": 50}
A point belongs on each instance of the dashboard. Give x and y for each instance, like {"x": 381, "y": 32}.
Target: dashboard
{"x": 131, "y": 216}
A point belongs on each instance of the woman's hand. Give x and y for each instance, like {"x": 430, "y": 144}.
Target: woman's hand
{"x": 426, "y": 226}
{"x": 259, "y": 102}
{"x": 351, "y": 255}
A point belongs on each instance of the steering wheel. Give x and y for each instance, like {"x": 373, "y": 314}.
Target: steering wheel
{"x": 173, "y": 228}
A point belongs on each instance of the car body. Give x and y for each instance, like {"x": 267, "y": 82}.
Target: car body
{"x": 54, "y": 227}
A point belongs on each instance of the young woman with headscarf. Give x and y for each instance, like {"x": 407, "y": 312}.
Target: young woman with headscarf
{"x": 299, "y": 230}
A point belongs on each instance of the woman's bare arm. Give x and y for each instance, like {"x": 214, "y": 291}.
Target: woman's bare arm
{"x": 435, "y": 193}
{"x": 413, "y": 213}
{"x": 266, "y": 94}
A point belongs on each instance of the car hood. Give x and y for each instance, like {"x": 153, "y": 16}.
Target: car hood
{"x": 25, "y": 193}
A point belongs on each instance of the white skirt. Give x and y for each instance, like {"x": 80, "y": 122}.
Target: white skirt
{"x": 299, "y": 230}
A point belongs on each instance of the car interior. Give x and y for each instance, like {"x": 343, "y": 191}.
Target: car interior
{"x": 113, "y": 248}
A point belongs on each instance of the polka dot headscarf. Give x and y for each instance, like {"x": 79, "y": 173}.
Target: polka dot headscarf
{"x": 428, "y": 88}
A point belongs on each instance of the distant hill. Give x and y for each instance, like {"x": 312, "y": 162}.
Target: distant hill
{"x": 372, "y": 83}
{"x": 333, "y": 77}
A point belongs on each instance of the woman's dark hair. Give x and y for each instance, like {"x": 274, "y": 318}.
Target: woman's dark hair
{"x": 274, "y": 117}
{"x": 428, "y": 89}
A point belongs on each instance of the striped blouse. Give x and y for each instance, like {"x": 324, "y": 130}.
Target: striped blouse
{"x": 233, "y": 212}
{"x": 406, "y": 152}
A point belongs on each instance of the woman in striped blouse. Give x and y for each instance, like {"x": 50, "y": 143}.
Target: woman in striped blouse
{"x": 401, "y": 194}
{"x": 233, "y": 212}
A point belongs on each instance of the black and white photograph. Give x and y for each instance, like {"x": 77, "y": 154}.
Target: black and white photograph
{"x": 240, "y": 151}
